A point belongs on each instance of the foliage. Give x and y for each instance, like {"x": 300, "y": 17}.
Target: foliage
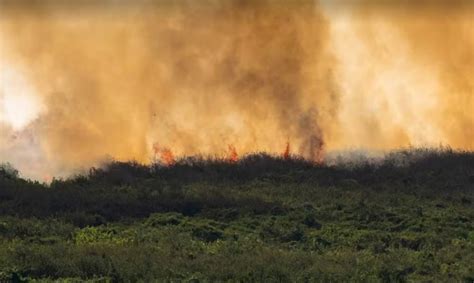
{"x": 408, "y": 217}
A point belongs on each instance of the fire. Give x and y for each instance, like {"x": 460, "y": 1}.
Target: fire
{"x": 233, "y": 156}
{"x": 375, "y": 77}
{"x": 286, "y": 153}
{"x": 165, "y": 155}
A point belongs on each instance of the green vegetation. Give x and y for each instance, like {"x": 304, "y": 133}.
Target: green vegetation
{"x": 408, "y": 217}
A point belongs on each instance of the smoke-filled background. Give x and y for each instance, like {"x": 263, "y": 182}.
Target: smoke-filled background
{"x": 81, "y": 81}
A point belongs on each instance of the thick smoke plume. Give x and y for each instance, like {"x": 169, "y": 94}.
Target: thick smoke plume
{"x": 406, "y": 72}
{"x": 119, "y": 78}
{"x": 195, "y": 77}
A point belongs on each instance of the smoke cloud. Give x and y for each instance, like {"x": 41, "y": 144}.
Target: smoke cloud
{"x": 406, "y": 72}
{"x": 118, "y": 78}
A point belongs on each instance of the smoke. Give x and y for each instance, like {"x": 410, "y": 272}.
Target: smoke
{"x": 117, "y": 77}
{"x": 405, "y": 73}
{"x": 444, "y": 41}
{"x": 190, "y": 77}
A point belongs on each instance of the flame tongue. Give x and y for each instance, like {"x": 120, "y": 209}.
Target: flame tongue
{"x": 233, "y": 156}
{"x": 167, "y": 156}
{"x": 163, "y": 154}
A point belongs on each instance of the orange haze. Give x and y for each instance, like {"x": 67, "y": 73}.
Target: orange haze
{"x": 116, "y": 78}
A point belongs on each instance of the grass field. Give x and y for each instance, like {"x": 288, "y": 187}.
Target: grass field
{"x": 407, "y": 217}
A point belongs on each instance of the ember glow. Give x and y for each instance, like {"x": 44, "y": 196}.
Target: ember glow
{"x": 87, "y": 80}
{"x": 163, "y": 155}
{"x": 233, "y": 156}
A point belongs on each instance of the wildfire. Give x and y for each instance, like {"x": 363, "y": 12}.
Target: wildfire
{"x": 165, "y": 155}
{"x": 286, "y": 153}
{"x": 233, "y": 156}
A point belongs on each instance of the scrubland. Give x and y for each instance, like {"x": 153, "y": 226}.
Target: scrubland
{"x": 406, "y": 217}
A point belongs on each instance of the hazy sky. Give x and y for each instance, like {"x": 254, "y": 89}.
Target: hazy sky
{"x": 81, "y": 81}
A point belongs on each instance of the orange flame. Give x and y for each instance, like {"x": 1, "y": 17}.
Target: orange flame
{"x": 286, "y": 153}
{"x": 165, "y": 155}
{"x": 233, "y": 156}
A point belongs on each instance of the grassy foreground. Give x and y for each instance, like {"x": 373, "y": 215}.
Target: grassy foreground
{"x": 409, "y": 217}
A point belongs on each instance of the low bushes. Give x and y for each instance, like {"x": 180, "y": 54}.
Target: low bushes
{"x": 408, "y": 217}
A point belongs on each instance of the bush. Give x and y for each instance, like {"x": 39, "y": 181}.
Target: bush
{"x": 407, "y": 217}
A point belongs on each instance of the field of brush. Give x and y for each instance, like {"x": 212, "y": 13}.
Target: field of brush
{"x": 406, "y": 217}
